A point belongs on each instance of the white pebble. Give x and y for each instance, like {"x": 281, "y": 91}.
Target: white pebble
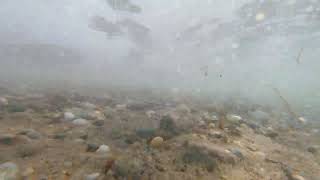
{"x": 103, "y": 149}
{"x": 93, "y": 176}
{"x": 69, "y": 116}
{"x": 80, "y": 122}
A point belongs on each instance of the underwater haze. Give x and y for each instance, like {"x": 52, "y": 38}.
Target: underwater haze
{"x": 241, "y": 58}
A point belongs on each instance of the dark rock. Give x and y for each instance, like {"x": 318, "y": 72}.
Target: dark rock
{"x": 27, "y": 150}
{"x": 168, "y": 127}
{"x": 60, "y": 136}
{"x": 313, "y": 149}
{"x": 146, "y": 133}
{"x": 7, "y": 139}
{"x": 238, "y": 153}
{"x": 195, "y": 156}
{"x": 98, "y": 123}
{"x": 92, "y": 147}
{"x": 130, "y": 168}
{"x": 13, "y": 108}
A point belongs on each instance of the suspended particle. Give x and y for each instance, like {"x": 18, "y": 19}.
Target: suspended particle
{"x": 260, "y": 16}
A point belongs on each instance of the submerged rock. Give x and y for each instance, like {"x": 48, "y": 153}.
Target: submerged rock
{"x": 9, "y": 171}
{"x": 31, "y": 133}
{"x": 7, "y": 139}
{"x": 92, "y": 147}
{"x": 80, "y": 122}
{"x": 168, "y": 127}
{"x": 157, "y": 142}
{"x": 146, "y": 133}
{"x": 103, "y": 149}
{"x": 93, "y": 176}
{"x": 69, "y": 116}
{"x": 3, "y": 101}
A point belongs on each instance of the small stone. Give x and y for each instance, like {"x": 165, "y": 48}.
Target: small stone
{"x": 87, "y": 105}
{"x": 3, "y": 101}
{"x": 150, "y": 114}
{"x": 103, "y": 149}
{"x": 27, "y": 172}
{"x": 238, "y": 153}
{"x": 297, "y": 177}
{"x": 31, "y": 133}
{"x": 60, "y": 136}
{"x": 212, "y": 125}
{"x": 98, "y": 123}
{"x": 146, "y": 133}
{"x": 92, "y": 147}
{"x": 202, "y": 123}
{"x": 233, "y": 118}
{"x": 157, "y": 142}
{"x": 121, "y": 107}
{"x": 302, "y": 120}
{"x": 7, "y": 139}
{"x": 67, "y": 164}
{"x": 80, "y": 122}
{"x": 93, "y": 176}
{"x": 9, "y": 171}
{"x": 79, "y": 141}
{"x": 313, "y": 149}
{"x": 69, "y": 116}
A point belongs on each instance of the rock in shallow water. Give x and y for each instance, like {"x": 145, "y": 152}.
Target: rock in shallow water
{"x": 31, "y": 133}
{"x": 103, "y": 149}
{"x": 80, "y": 122}
{"x": 93, "y": 176}
{"x": 157, "y": 142}
{"x": 69, "y": 116}
{"x": 9, "y": 171}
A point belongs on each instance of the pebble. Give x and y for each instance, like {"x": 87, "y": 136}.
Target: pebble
{"x": 93, "y": 176}
{"x": 98, "y": 123}
{"x": 103, "y": 149}
{"x": 31, "y": 133}
{"x": 7, "y": 139}
{"x": 212, "y": 125}
{"x": 150, "y": 114}
{"x": 156, "y": 142}
{"x": 3, "y": 101}
{"x": 92, "y": 147}
{"x": 121, "y": 107}
{"x": 9, "y": 171}
{"x": 302, "y": 120}
{"x": 313, "y": 149}
{"x": 69, "y": 116}
{"x": 88, "y": 105}
{"x": 238, "y": 153}
{"x": 80, "y": 122}
{"x": 27, "y": 172}
{"x": 297, "y": 177}
{"x": 233, "y": 118}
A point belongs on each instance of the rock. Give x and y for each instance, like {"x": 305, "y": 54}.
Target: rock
{"x": 103, "y": 149}
{"x": 30, "y": 149}
{"x": 108, "y": 112}
{"x": 157, "y": 142}
{"x": 3, "y": 101}
{"x": 146, "y": 133}
{"x": 214, "y": 151}
{"x": 259, "y": 116}
{"x": 9, "y": 171}
{"x": 202, "y": 123}
{"x": 128, "y": 168}
{"x": 182, "y": 108}
{"x": 212, "y": 125}
{"x": 98, "y": 123}
{"x": 121, "y": 107}
{"x": 60, "y": 136}
{"x": 150, "y": 114}
{"x": 168, "y": 126}
{"x": 7, "y": 139}
{"x": 302, "y": 120}
{"x": 92, "y": 147}
{"x": 297, "y": 177}
{"x": 31, "y": 133}
{"x": 93, "y": 176}
{"x": 15, "y": 107}
{"x": 27, "y": 172}
{"x": 198, "y": 157}
{"x": 87, "y": 105}
{"x": 80, "y": 122}
{"x": 313, "y": 149}
{"x": 233, "y": 118}
{"x": 238, "y": 153}
{"x": 69, "y": 116}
